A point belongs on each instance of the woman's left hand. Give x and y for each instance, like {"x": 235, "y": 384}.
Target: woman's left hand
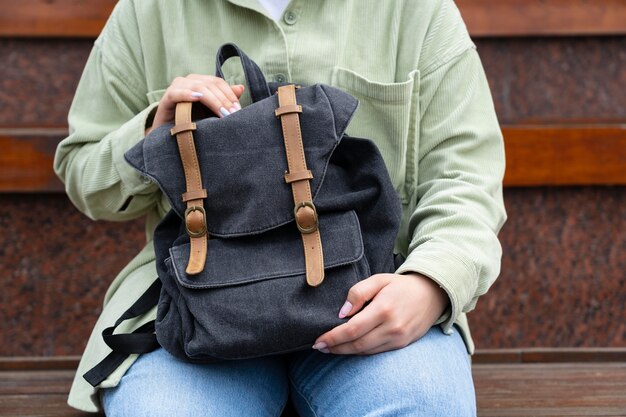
{"x": 402, "y": 309}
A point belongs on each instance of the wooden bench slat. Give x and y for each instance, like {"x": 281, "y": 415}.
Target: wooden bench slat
{"x": 565, "y": 155}
{"x": 573, "y": 389}
{"x": 41, "y": 405}
{"x": 481, "y": 356}
{"x": 539, "y": 389}
{"x": 35, "y": 382}
{"x": 498, "y": 18}
{"x": 546, "y": 355}
{"x": 27, "y": 158}
{"x": 484, "y": 18}
{"x": 66, "y": 18}
{"x": 38, "y": 363}
{"x": 535, "y": 156}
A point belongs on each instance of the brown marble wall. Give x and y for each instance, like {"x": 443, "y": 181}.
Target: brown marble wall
{"x": 532, "y": 80}
{"x": 37, "y": 80}
{"x": 547, "y": 80}
{"x": 563, "y": 279}
{"x": 55, "y": 266}
{"x": 562, "y": 283}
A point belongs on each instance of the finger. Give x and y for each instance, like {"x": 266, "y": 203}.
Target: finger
{"x": 368, "y": 342}
{"x": 385, "y": 347}
{"x": 227, "y": 106}
{"x": 213, "y": 102}
{"x": 353, "y": 329}
{"x": 213, "y": 84}
{"x": 184, "y": 94}
{"x": 238, "y": 89}
{"x": 386, "y": 336}
{"x": 232, "y": 92}
{"x": 228, "y": 92}
{"x": 362, "y": 292}
{"x": 167, "y": 105}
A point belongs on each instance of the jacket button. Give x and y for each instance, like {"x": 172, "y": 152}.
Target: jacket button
{"x": 290, "y": 17}
{"x": 280, "y": 78}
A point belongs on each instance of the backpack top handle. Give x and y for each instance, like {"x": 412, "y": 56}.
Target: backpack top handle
{"x": 259, "y": 89}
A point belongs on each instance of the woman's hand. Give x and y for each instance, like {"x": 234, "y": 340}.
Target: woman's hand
{"x": 213, "y": 92}
{"x": 402, "y": 309}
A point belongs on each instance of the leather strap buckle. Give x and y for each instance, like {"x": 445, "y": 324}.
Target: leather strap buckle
{"x": 203, "y": 227}
{"x": 304, "y": 229}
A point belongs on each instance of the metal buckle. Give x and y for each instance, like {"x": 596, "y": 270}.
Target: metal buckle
{"x": 202, "y": 232}
{"x": 306, "y": 230}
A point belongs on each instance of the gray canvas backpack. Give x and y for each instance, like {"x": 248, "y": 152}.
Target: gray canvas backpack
{"x": 276, "y": 213}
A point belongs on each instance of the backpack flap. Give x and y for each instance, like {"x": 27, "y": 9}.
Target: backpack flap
{"x": 242, "y": 160}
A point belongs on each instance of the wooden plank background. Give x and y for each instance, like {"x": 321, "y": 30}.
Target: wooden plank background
{"x": 485, "y": 18}
{"x": 565, "y": 155}
{"x": 535, "y": 156}
{"x": 66, "y": 18}
{"x": 489, "y": 18}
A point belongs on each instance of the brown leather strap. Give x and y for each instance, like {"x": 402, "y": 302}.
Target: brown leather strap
{"x": 194, "y": 195}
{"x": 195, "y": 216}
{"x": 304, "y": 210}
{"x": 290, "y": 108}
{"x": 179, "y": 128}
{"x": 298, "y": 176}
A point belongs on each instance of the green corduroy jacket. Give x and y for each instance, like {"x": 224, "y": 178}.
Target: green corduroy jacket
{"x": 424, "y": 100}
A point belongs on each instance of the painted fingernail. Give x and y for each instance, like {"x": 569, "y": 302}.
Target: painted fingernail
{"x": 233, "y": 109}
{"x": 196, "y": 94}
{"x": 224, "y": 111}
{"x": 324, "y": 350}
{"x": 320, "y": 346}
{"x": 237, "y": 105}
{"x": 347, "y": 306}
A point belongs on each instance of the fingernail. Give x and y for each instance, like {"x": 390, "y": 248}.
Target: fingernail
{"x": 347, "y": 306}
{"x": 233, "y": 109}
{"x": 320, "y": 345}
{"x": 196, "y": 94}
{"x": 324, "y": 350}
{"x": 224, "y": 111}
{"x": 237, "y": 105}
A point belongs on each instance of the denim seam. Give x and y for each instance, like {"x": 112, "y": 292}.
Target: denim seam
{"x": 281, "y": 408}
{"x": 306, "y": 400}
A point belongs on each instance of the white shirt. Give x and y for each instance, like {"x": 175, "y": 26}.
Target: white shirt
{"x": 274, "y": 7}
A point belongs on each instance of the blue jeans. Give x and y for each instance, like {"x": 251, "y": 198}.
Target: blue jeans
{"x": 431, "y": 377}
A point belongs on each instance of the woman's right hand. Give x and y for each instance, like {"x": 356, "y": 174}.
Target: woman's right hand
{"x": 215, "y": 93}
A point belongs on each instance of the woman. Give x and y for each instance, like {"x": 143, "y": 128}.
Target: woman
{"x": 424, "y": 101}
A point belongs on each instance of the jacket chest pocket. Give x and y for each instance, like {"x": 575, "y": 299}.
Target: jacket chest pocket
{"x": 388, "y": 114}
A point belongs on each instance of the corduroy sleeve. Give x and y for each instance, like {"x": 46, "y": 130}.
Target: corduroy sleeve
{"x": 108, "y": 116}
{"x": 460, "y": 207}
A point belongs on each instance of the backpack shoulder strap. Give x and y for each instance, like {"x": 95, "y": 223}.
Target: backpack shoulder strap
{"x": 142, "y": 340}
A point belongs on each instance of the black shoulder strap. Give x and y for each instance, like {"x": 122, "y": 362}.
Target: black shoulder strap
{"x": 142, "y": 340}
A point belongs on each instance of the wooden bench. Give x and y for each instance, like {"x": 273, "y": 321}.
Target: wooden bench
{"x": 528, "y": 382}
{"x": 533, "y": 382}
